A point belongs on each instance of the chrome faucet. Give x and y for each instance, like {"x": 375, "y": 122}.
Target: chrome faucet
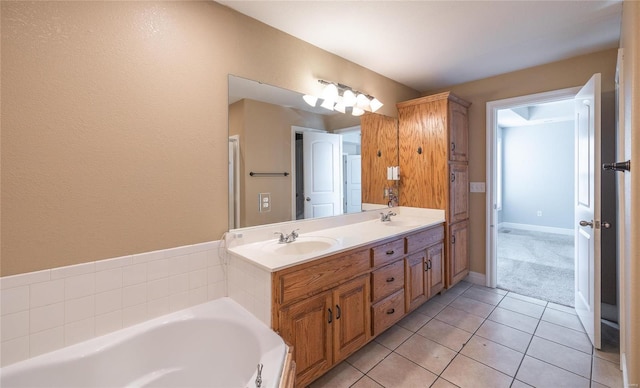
{"x": 287, "y": 238}
{"x": 387, "y": 217}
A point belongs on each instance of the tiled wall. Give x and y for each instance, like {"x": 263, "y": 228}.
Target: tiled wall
{"x": 47, "y": 310}
{"x": 250, "y": 286}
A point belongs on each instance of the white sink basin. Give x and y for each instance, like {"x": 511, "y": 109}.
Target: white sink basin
{"x": 401, "y": 222}
{"x": 302, "y": 246}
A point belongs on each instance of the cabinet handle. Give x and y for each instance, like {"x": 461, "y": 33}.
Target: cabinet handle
{"x": 429, "y": 264}
{"x": 391, "y": 252}
{"x": 453, "y": 146}
{"x": 330, "y": 316}
{"x": 453, "y": 177}
{"x": 338, "y": 312}
{"x": 391, "y": 311}
{"x": 453, "y": 239}
{"x": 389, "y": 280}
{"x": 426, "y": 266}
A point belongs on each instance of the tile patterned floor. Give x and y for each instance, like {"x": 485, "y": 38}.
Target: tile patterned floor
{"x": 473, "y": 336}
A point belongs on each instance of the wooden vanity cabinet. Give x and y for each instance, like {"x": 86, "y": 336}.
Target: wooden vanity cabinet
{"x": 424, "y": 268}
{"x": 433, "y": 153}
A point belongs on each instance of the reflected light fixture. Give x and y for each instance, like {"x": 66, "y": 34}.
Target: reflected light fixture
{"x": 344, "y": 99}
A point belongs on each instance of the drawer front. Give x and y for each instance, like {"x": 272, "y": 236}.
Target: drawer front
{"x": 387, "y": 280}
{"x": 386, "y": 253}
{"x": 425, "y": 238}
{"x": 320, "y": 277}
{"x": 387, "y": 312}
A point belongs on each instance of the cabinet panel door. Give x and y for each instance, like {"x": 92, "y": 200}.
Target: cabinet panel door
{"x": 458, "y": 132}
{"x": 379, "y": 150}
{"x": 416, "y": 288}
{"x": 305, "y": 325}
{"x": 459, "y": 255}
{"x": 435, "y": 258}
{"x": 459, "y": 192}
{"x": 352, "y": 319}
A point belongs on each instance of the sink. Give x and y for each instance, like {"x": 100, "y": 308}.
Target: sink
{"x": 401, "y": 222}
{"x": 302, "y": 246}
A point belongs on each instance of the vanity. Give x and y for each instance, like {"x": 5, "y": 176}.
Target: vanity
{"x": 342, "y": 282}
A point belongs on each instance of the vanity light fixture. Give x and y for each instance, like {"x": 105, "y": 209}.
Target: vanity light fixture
{"x": 344, "y": 99}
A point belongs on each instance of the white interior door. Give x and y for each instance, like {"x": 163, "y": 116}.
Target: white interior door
{"x": 354, "y": 184}
{"x": 587, "y": 208}
{"x": 322, "y": 172}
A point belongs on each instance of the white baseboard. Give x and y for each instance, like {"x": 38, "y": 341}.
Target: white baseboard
{"x": 476, "y": 278}
{"x": 535, "y": 228}
{"x": 625, "y": 373}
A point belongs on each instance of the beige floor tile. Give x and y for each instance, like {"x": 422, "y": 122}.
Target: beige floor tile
{"x": 561, "y": 356}
{"x": 366, "y": 382}
{"x": 489, "y": 289}
{"x": 483, "y": 296}
{"x": 608, "y": 352}
{"x": 397, "y": 371}
{"x": 414, "y": 321}
{"x": 431, "y": 308}
{"x": 516, "y": 320}
{"x": 459, "y": 288}
{"x": 490, "y": 353}
{"x": 540, "y": 374}
{"x": 461, "y": 319}
{"x": 426, "y": 353}
{"x": 367, "y": 357}
{"x": 527, "y": 298}
{"x": 445, "y": 334}
{"x": 519, "y": 384}
{"x": 565, "y": 336}
{"x": 342, "y": 375}
{"x": 607, "y": 373}
{"x": 465, "y": 372}
{"x": 393, "y": 337}
{"x": 559, "y": 307}
{"x": 505, "y": 335}
{"x": 472, "y": 306}
{"x": 522, "y": 307}
{"x": 563, "y": 319}
{"x": 595, "y": 384}
{"x": 444, "y": 298}
{"x": 442, "y": 383}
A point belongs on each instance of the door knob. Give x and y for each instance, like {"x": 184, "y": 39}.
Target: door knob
{"x": 620, "y": 166}
{"x": 586, "y": 223}
{"x": 307, "y": 199}
{"x": 605, "y": 225}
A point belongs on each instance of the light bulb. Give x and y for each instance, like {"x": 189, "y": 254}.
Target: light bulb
{"x": 349, "y": 98}
{"x": 327, "y": 104}
{"x": 375, "y": 104}
{"x": 340, "y": 107}
{"x": 309, "y": 99}
{"x": 362, "y": 101}
{"x": 357, "y": 111}
{"x": 330, "y": 92}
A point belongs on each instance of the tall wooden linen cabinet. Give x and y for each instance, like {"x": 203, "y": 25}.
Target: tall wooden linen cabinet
{"x": 433, "y": 134}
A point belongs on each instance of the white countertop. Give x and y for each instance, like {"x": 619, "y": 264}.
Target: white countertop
{"x": 362, "y": 230}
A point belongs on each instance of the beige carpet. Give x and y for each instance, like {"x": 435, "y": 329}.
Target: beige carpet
{"x": 536, "y": 264}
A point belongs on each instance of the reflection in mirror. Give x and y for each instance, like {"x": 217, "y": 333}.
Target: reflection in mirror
{"x": 288, "y": 160}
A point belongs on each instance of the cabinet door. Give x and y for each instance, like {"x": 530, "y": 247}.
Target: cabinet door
{"x": 459, "y": 192}
{"x": 352, "y": 319}
{"x": 459, "y": 251}
{"x": 435, "y": 260}
{"x": 416, "y": 277}
{"x": 306, "y": 326}
{"x": 458, "y": 132}
{"x": 379, "y": 150}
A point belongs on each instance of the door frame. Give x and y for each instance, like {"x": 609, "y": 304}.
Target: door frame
{"x": 491, "y": 170}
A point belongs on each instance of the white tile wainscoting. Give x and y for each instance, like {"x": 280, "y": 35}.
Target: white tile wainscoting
{"x": 46, "y": 310}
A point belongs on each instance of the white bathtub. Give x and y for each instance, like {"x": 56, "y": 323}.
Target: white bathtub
{"x": 216, "y": 344}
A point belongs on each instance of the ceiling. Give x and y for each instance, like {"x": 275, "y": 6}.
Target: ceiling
{"x": 428, "y": 45}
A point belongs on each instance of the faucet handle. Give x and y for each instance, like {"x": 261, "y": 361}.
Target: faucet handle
{"x": 294, "y": 233}
{"x": 281, "y": 238}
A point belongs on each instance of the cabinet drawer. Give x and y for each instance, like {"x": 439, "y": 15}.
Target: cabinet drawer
{"x": 386, "y": 253}
{"x": 320, "y": 277}
{"x": 387, "y": 280}
{"x": 387, "y": 312}
{"x": 425, "y": 238}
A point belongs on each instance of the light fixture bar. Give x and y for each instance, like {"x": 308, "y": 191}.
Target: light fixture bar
{"x": 338, "y": 97}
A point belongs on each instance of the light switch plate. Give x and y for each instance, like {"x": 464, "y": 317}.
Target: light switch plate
{"x": 477, "y": 187}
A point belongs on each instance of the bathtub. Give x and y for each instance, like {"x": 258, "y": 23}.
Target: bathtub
{"x": 215, "y": 344}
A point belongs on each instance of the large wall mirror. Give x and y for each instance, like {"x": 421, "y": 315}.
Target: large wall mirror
{"x": 290, "y": 161}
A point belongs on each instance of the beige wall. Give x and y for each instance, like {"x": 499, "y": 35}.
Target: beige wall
{"x": 630, "y": 123}
{"x": 558, "y": 75}
{"x": 114, "y": 122}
